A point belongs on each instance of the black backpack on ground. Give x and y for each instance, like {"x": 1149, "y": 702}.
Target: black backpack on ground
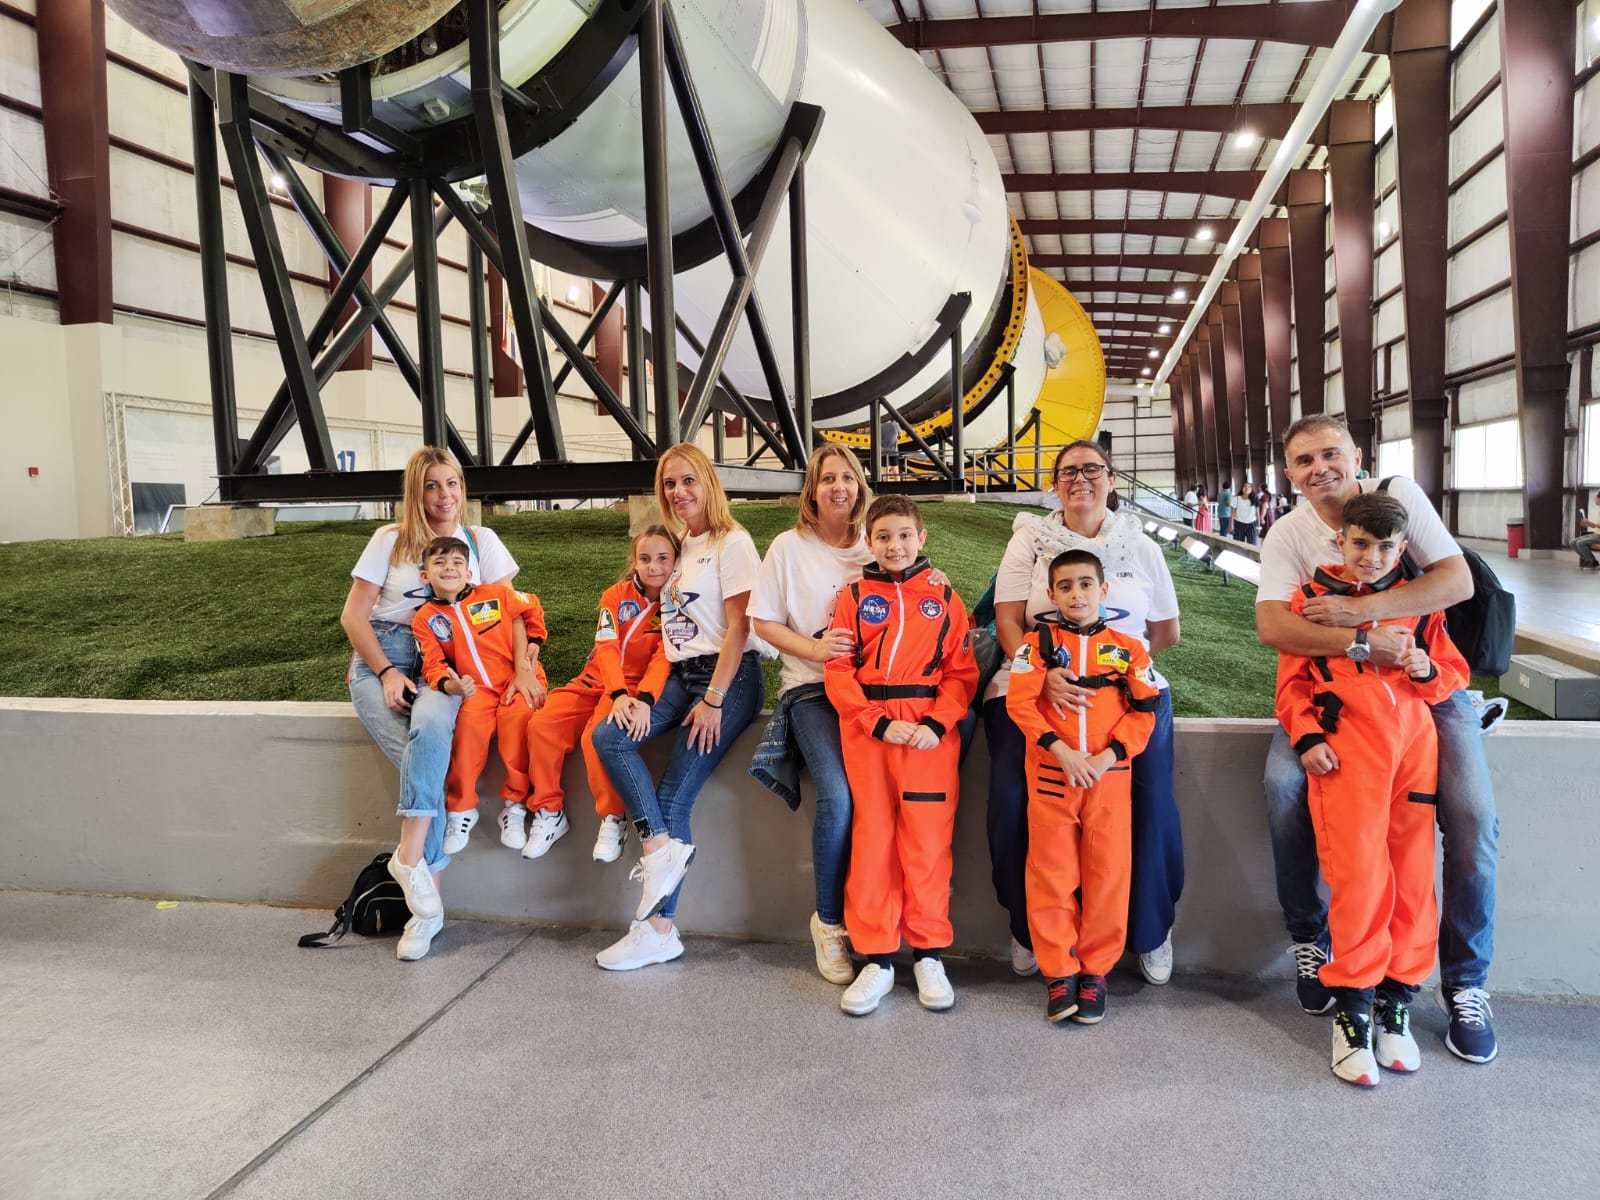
{"x": 376, "y": 906}
{"x": 1484, "y": 625}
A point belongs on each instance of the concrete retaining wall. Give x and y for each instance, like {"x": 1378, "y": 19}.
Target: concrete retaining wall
{"x": 282, "y": 803}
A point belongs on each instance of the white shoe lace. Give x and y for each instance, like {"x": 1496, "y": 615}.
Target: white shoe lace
{"x": 637, "y": 874}
{"x": 833, "y": 950}
{"x": 1470, "y": 1006}
{"x": 419, "y": 879}
{"x": 1308, "y": 956}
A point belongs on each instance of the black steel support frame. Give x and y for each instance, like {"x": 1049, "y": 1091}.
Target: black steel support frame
{"x": 311, "y": 357}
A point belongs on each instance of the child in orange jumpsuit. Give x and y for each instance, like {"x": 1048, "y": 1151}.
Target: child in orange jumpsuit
{"x": 1080, "y": 808}
{"x": 475, "y": 641}
{"x": 619, "y": 682}
{"x": 1371, "y": 755}
{"x": 899, "y": 695}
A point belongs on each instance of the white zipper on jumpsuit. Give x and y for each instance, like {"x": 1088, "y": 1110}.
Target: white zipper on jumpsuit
{"x": 1083, "y": 713}
{"x": 899, "y": 629}
{"x": 472, "y": 645}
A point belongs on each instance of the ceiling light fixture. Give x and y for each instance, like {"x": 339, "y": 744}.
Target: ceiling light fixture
{"x": 1164, "y": 327}
{"x": 1352, "y": 41}
{"x": 1179, "y": 294}
{"x": 1245, "y": 139}
{"x": 1204, "y": 235}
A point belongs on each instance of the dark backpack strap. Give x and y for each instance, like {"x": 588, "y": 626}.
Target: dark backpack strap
{"x": 343, "y": 916}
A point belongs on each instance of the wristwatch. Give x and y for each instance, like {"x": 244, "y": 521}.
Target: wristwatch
{"x": 1358, "y": 650}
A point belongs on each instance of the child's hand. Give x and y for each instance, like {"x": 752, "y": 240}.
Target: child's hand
{"x": 834, "y": 643}
{"x": 922, "y": 738}
{"x": 1062, "y": 690}
{"x": 459, "y": 685}
{"x": 527, "y": 686}
{"x": 1102, "y": 762}
{"x": 631, "y": 715}
{"x": 1417, "y": 663}
{"x": 1074, "y": 764}
{"x": 898, "y": 733}
{"x": 1320, "y": 759}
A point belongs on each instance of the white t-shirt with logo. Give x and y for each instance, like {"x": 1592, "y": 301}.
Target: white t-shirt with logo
{"x": 799, "y": 581}
{"x": 400, "y": 587}
{"x": 1300, "y": 541}
{"x": 693, "y": 619}
{"x": 1141, "y": 592}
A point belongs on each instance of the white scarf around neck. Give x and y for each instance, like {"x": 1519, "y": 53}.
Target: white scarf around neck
{"x": 1113, "y": 545}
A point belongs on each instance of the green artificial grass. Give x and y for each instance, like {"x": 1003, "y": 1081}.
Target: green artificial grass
{"x": 155, "y": 618}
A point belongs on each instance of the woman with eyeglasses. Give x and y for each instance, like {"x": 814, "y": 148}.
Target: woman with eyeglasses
{"x": 1141, "y": 603}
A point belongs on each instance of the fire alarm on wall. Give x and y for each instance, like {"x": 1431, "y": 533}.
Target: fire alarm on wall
{"x": 33, "y": 472}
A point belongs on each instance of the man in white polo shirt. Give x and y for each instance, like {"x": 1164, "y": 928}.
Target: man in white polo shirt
{"x": 1322, "y": 463}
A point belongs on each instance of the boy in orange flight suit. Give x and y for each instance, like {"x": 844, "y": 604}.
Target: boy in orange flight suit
{"x": 1372, "y": 760}
{"x": 1080, "y": 807}
{"x": 628, "y": 662}
{"x": 899, "y": 695}
{"x": 475, "y": 641}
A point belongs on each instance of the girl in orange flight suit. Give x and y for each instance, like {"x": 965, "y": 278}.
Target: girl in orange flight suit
{"x": 623, "y": 675}
{"x": 476, "y": 641}
{"x": 1367, "y": 739}
{"x": 1080, "y": 806}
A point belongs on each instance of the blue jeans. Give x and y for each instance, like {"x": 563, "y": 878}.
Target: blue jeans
{"x": 1157, "y": 863}
{"x": 419, "y": 744}
{"x": 1466, "y": 819}
{"x": 666, "y": 809}
{"x": 814, "y": 725}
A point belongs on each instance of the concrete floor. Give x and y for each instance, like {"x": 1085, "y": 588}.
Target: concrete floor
{"x": 195, "y": 1051}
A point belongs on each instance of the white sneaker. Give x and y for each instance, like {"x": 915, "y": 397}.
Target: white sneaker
{"x": 1156, "y": 966}
{"x": 872, "y": 985}
{"x": 640, "y": 947}
{"x": 934, "y": 992}
{"x": 545, "y": 830}
{"x": 422, "y": 898}
{"x": 661, "y": 870}
{"x": 1353, "y": 1060}
{"x": 514, "y": 826}
{"x": 832, "y": 945}
{"x": 613, "y": 833}
{"x": 417, "y": 937}
{"x": 1393, "y": 1045}
{"x": 1022, "y": 960}
{"x": 456, "y": 827}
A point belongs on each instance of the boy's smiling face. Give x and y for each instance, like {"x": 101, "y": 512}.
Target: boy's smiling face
{"x": 1367, "y": 557}
{"x": 896, "y": 542}
{"x": 447, "y": 573}
{"x": 1077, "y": 592}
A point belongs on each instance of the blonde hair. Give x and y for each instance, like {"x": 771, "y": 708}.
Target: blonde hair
{"x": 411, "y": 519}
{"x": 810, "y": 518}
{"x": 718, "y": 517}
{"x": 660, "y": 531}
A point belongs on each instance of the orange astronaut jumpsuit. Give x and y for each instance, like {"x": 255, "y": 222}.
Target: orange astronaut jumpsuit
{"x": 1374, "y": 814}
{"x": 1081, "y": 837}
{"x": 912, "y": 662}
{"x": 627, "y": 660}
{"x": 473, "y": 635}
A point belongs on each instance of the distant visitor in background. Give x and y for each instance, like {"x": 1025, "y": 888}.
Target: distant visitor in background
{"x": 889, "y": 447}
{"x": 1192, "y": 498}
{"x": 413, "y": 725}
{"x": 1245, "y": 515}
{"x": 1585, "y": 542}
{"x": 1225, "y": 509}
{"x": 1202, "y": 512}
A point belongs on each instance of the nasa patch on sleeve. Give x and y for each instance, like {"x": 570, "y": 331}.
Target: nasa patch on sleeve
{"x": 874, "y": 610}
{"x": 607, "y": 630}
{"x": 931, "y": 607}
{"x": 1024, "y": 658}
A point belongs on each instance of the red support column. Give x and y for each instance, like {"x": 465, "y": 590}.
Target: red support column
{"x": 77, "y": 149}
{"x": 1419, "y": 63}
{"x": 608, "y": 341}
{"x": 348, "y": 203}
{"x": 507, "y": 374}
{"x": 1206, "y": 436}
{"x": 1352, "y": 168}
{"x": 1252, "y": 326}
{"x": 1536, "y": 67}
{"x": 1233, "y": 365}
{"x": 1217, "y": 369}
{"x": 1308, "y": 255}
{"x": 1276, "y": 302}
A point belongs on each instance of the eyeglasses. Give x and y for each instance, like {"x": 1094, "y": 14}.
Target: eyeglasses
{"x": 1089, "y": 471}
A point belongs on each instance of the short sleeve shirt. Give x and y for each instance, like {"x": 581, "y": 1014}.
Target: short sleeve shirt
{"x": 400, "y": 587}
{"x": 800, "y": 580}
{"x": 693, "y": 619}
{"x": 1300, "y": 541}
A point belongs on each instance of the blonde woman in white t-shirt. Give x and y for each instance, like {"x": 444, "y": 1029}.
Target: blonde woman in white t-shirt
{"x": 413, "y": 726}
{"x": 714, "y": 691}
{"x": 791, "y": 609}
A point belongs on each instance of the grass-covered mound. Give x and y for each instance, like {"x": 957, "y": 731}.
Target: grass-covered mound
{"x": 154, "y": 618}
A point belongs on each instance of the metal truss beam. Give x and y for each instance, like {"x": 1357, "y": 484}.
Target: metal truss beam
{"x": 1194, "y": 264}
{"x": 1315, "y": 24}
{"x": 1263, "y": 120}
{"x": 1230, "y": 185}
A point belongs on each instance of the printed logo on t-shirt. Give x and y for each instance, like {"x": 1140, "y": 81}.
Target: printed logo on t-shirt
{"x": 874, "y": 610}
{"x": 1109, "y": 654}
{"x": 1112, "y": 615}
{"x": 931, "y": 608}
{"x": 676, "y": 625}
{"x": 484, "y": 612}
{"x": 442, "y": 629}
{"x": 627, "y": 611}
{"x": 607, "y": 629}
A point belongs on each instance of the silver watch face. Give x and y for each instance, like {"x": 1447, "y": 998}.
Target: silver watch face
{"x": 1358, "y": 652}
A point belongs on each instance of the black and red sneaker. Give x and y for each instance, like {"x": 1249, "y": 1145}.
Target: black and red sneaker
{"x": 1091, "y": 999}
{"x": 1062, "y": 998}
